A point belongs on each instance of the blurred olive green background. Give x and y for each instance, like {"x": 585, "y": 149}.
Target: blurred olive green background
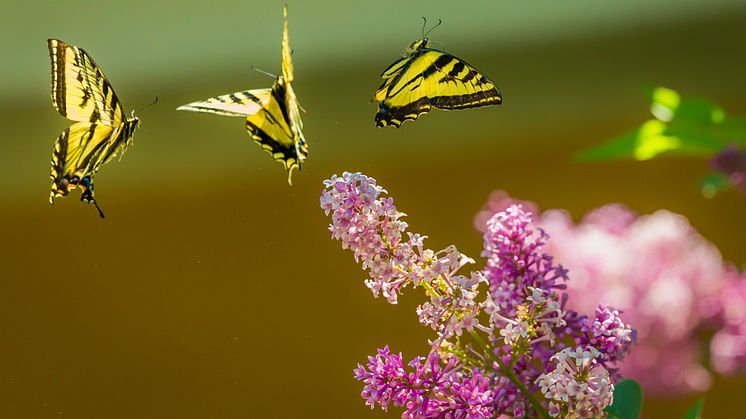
{"x": 212, "y": 289}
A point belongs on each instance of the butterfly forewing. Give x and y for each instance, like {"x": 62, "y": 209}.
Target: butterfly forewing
{"x": 287, "y": 62}
{"x": 241, "y": 104}
{"x": 80, "y": 90}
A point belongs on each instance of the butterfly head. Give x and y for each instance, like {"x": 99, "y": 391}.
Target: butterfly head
{"x": 423, "y": 42}
{"x": 418, "y": 45}
{"x": 133, "y": 121}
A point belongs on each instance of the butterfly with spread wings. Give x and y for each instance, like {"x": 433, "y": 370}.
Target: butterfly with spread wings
{"x": 81, "y": 93}
{"x": 426, "y": 78}
{"x": 272, "y": 115}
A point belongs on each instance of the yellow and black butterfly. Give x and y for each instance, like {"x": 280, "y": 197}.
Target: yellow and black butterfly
{"x": 272, "y": 115}
{"x": 425, "y": 78}
{"x": 81, "y": 93}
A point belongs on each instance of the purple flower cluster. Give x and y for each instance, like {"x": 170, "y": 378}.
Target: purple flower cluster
{"x": 731, "y": 161}
{"x": 526, "y": 298}
{"x": 579, "y": 386}
{"x": 515, "y": 260}
{"x": 666, "y": 279}
{"x": 503, "y": 334}
{"x": 608, "y": 332}
{"x": 427, "y": 389}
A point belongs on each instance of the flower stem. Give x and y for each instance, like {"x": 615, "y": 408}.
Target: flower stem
{"x": 512, "y": 377}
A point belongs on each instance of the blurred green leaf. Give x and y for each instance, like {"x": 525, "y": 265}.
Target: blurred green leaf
{"x": 616, "y": 148}
{"x": 714, "y": 183}
{"x": 682, "y": 126}
{"x": 667, "y": 106}
{"x": 654, "y": 138}
{"x": 627, "y": 400}
{"x": 696, "y": 411}
{"x": 664, "y": 103}
{"x": 643, "y": 144}
{"x": 734, "y": 129}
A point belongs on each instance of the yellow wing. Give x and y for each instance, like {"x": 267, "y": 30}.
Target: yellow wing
{"x": 429, "y": 78}
{"x": 287, "y": 63}
{"x": 80, "y": 90}
{"x": 243, "y": 104}
{"x": 79, "y": 152}
{"x": 275, "y": 129}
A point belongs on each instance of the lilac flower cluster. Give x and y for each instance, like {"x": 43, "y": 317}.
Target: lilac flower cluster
{"x": 570, "y": 396}
{"x": 430, "y": 389}
{"x": 669, "y": 281}
{"x": 503, "y": 334}
{"x": 372, "y": 228}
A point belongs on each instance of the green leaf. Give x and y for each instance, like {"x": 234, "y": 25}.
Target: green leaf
{"x": 696, "y": 411}
{"x": 682, "y": 126}
{"x": 713, "y": 183}
{"x": 651, "y": 140}
{"x": 734, "y": 129}
{"x": 667, "y": 106}
{"x": 617, "y": 148}
{"x": 696, "y": 140}
{"x": 655, "y": 138}
{"x": 627, "y": 400}
{"x": 643, "y": 144}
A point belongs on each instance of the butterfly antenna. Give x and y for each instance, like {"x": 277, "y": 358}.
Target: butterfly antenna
{"x": 424, "y": 23}
{"x": 264, "y": 72}
{"x": 146, "y": 107}
{"x": 431, "y": 29}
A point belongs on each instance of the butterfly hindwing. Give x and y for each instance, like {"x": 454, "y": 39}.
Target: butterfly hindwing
{"x": 81, "y": 92}
{"x": 428, "y": 78}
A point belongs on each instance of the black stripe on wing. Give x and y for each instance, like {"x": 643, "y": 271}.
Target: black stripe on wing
{"x": 98, "y": 102}
{"x": 398, "y": 115}
{"x": 57, "y": 58}
{"x": 97, "y": 88}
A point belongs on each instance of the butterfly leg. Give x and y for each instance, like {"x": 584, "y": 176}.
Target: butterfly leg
{"x": 87, "y": 196}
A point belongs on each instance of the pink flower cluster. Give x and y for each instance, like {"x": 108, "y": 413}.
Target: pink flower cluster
{"x": 502, "y": 332}
{"x": 372, "y": 228}
{"x": 664, "y": 277}
{"x": 427, "y": 390}
{"x": 570, "y": 396}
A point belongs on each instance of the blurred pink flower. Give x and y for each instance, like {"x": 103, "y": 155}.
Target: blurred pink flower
{"x": 665, "y": 278}
{"x": 731, "y": 161}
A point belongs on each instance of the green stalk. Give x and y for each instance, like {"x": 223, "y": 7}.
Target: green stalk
{"x": 512, "y": 377}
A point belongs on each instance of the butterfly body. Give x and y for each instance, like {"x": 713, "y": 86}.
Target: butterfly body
{"x": 427, "y": 78}
{"x": 81, "y": 92}
{"x": 272, "y": 115}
